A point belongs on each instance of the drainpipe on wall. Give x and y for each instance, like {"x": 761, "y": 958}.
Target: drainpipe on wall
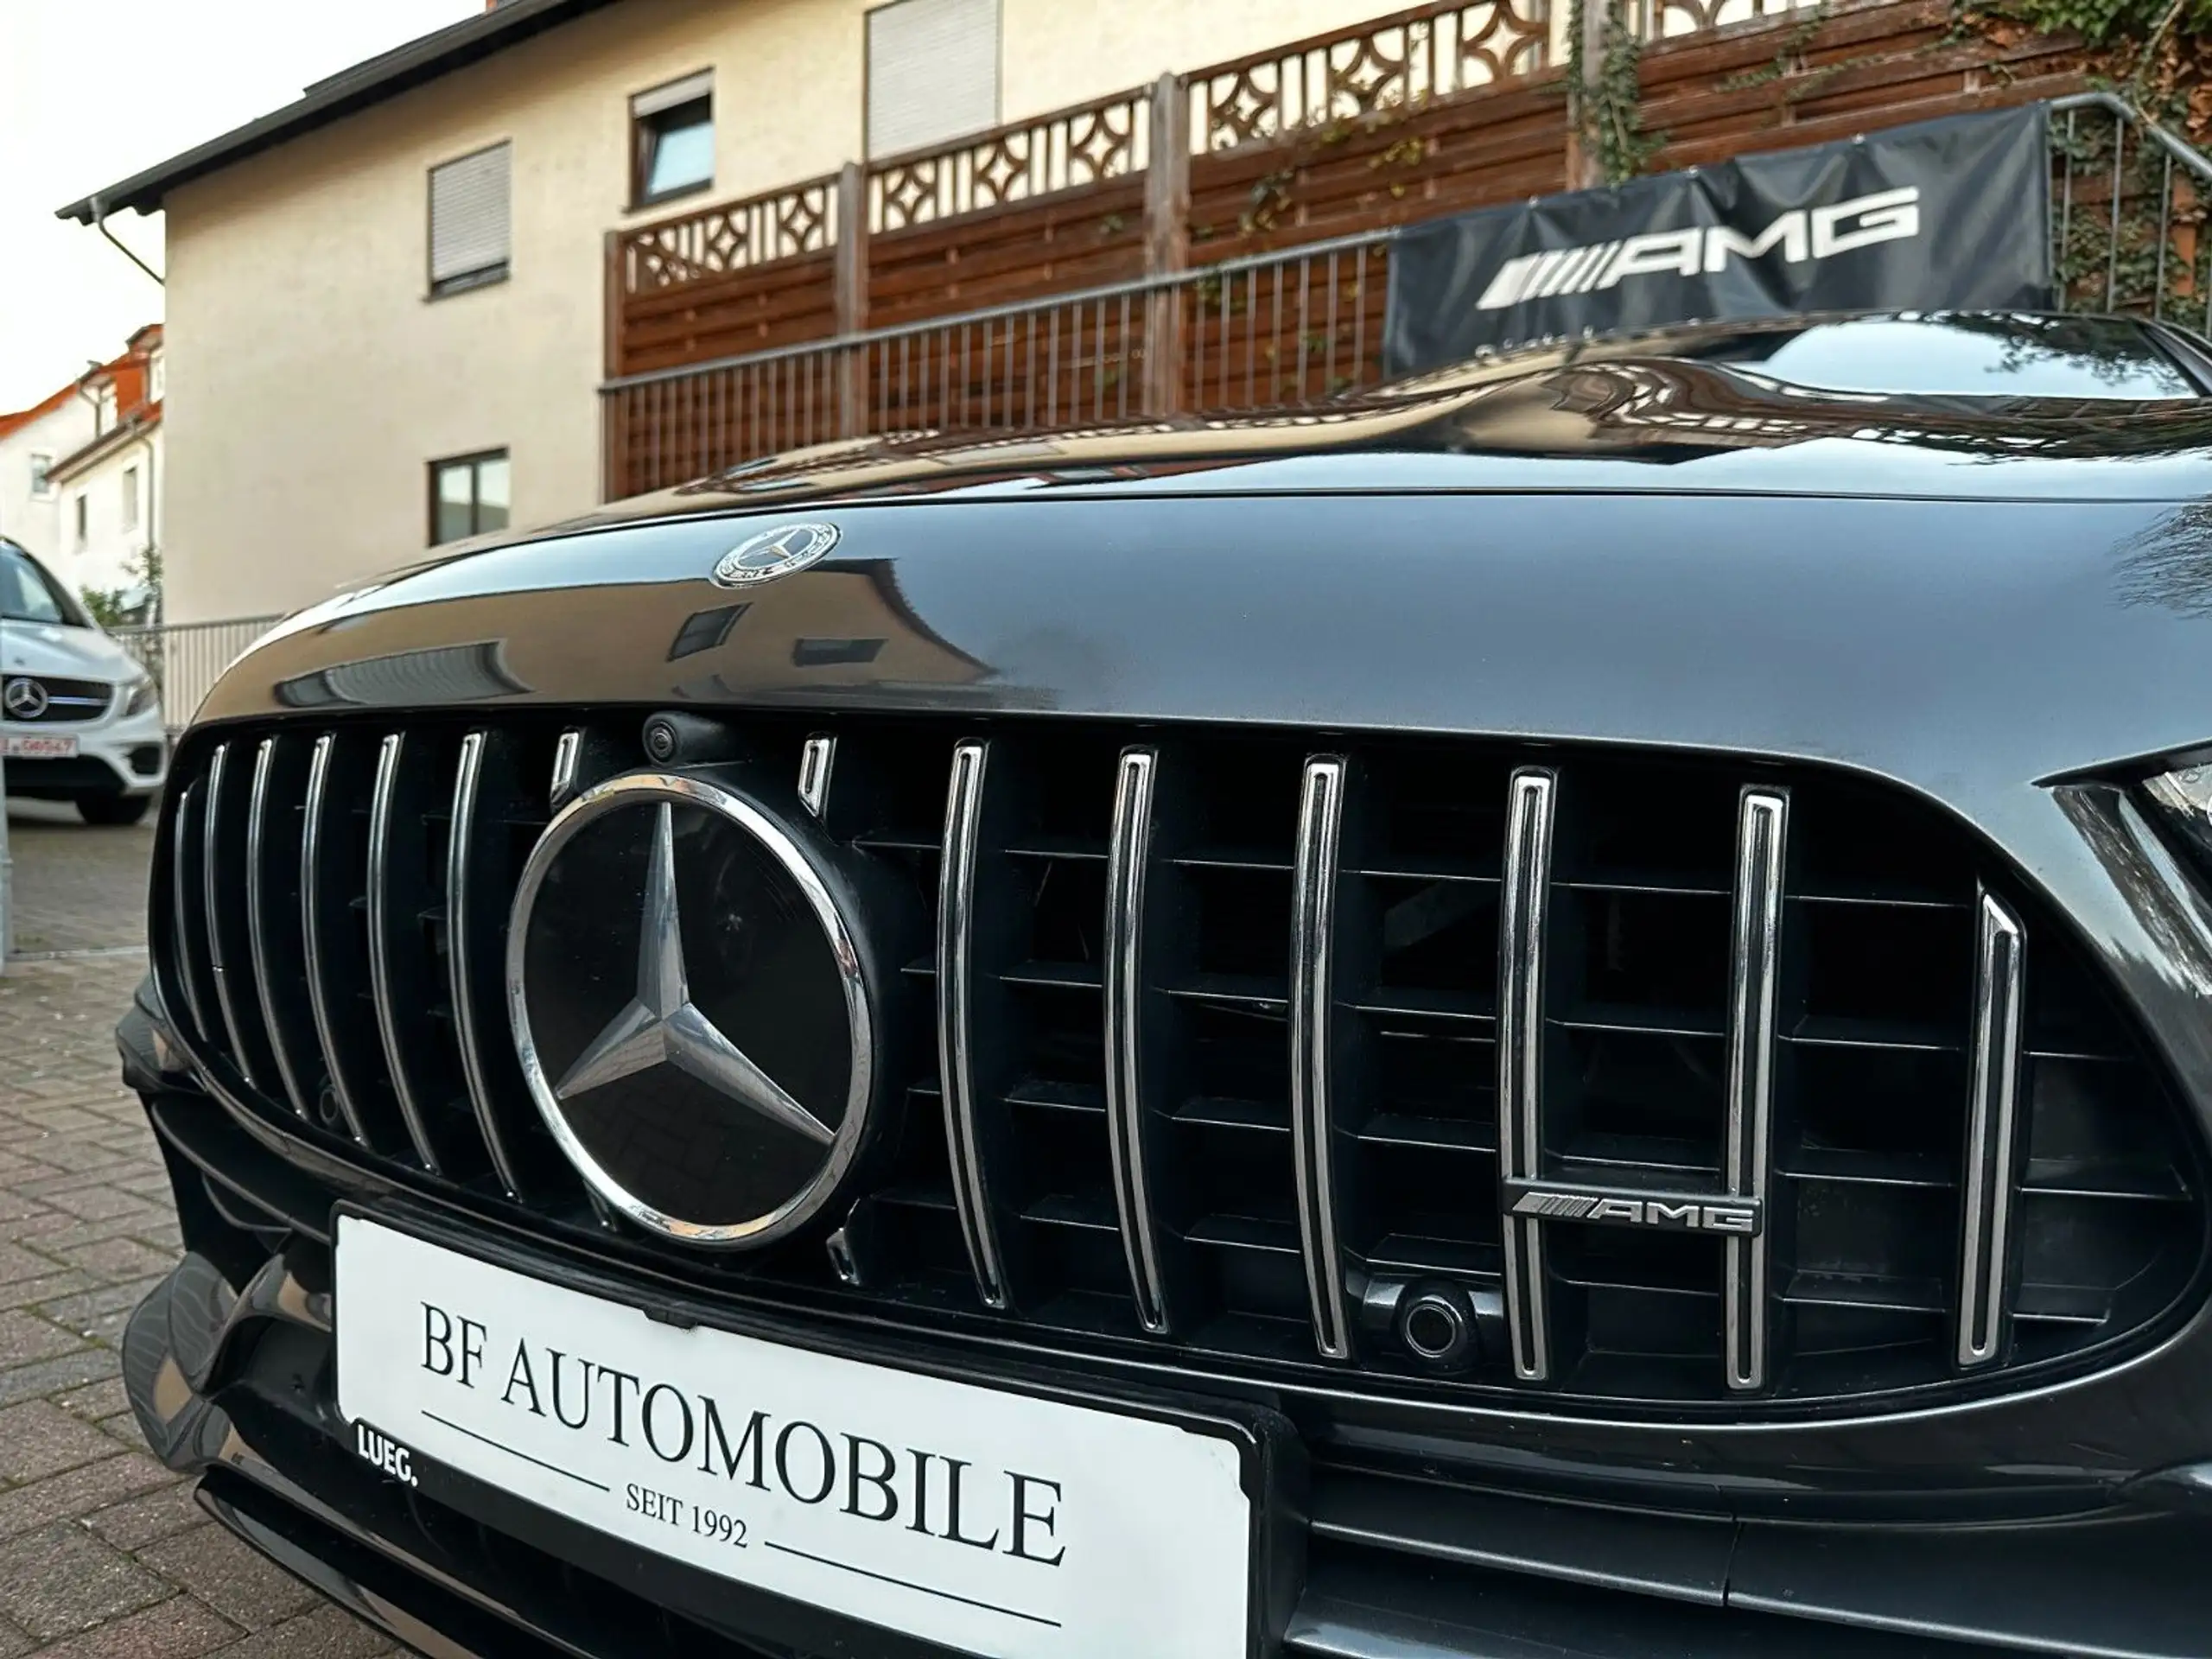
{"x": 153, "y": 529}
{"x": 99, "y": 224}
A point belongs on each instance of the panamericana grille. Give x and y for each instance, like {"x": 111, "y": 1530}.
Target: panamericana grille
{"x": 1567, "y": 1073}
{"x": 60, "y": 701}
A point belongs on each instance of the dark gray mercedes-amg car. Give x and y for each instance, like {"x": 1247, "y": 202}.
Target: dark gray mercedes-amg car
{"x": 1562, "y": 1010}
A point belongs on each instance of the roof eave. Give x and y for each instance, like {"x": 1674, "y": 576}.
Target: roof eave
{"x": 84, "y": 459}
{"x": 345, "y": 93}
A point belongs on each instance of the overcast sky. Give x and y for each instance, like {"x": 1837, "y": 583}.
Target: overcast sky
{"x": 91, "y": 91}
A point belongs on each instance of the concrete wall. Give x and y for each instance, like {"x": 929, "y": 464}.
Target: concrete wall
{"x": 310, "y": 378}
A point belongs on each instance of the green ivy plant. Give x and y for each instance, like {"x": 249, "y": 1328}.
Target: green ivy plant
{"x": 107, "y": 607}
{"x": 2133, "y": 261}
{"x": 1608, "y": 106}
{"x": 2108, "y": 23}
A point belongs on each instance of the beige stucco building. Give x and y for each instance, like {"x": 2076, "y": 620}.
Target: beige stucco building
{"x": 316, "y": 374}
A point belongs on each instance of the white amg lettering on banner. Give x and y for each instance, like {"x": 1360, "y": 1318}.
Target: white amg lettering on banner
{"x": 1821, "y": 233}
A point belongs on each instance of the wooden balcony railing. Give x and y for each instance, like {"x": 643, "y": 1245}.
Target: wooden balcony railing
{"x": 1667, "y": 20}
{"x": 1393, "y": 63}
{"x": 732, "y": 236}
{"x": 1097, "y": 192}
{"x": 796, "y": 315}
{"x": 1088, "y": 144}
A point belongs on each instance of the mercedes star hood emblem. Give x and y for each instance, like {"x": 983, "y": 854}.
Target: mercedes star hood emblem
{"x": 774, "y": 553}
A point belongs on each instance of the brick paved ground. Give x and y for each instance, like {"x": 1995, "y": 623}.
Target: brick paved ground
{"x": 103, "y": 1553}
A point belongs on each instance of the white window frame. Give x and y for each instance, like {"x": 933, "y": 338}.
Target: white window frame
{"x": 41, "y": 475}
{"x": 658, "y": 100}
{"x": 473, "y": 463}
{"x": 130, "y": 497}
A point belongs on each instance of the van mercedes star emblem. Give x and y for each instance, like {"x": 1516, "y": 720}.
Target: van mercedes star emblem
{"x": 774, "y": 553}
{"x": 23, "y": 698}
{"x": 710, "y": 1082}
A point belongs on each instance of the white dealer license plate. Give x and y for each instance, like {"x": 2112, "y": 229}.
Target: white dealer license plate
{"x": 992, "y": 1522}
{"x": 38, "y": 748}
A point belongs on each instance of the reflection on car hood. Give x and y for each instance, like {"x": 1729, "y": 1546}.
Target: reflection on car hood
{"x": 1570, "y": 421}
{"x": 68, "y": 653}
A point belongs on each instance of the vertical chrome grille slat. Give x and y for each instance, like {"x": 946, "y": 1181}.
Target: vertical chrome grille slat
{"x": 567, "y": 749}
{"x": 211, "y": 899}
{"x": 184, "y": 883}
{"x": 817, "y": 760}
{"x": 1523, "y": 905}
{"x": 315, "y": 848}
{"x": 384, "y": 994}
{"x": 1128, "y": 854}
{"x": 1754, "y": 968}
{"x": 955, "y": 1054}
{"x": 259, "y": 906}
{"x": 460, "y": 959}
{"x": 566, "y": 753}
{"x": 1313, "y": 910}
{"x": 1993, "y": 1126}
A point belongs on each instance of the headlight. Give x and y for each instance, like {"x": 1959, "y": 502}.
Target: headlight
{"x": 139, "y": 695}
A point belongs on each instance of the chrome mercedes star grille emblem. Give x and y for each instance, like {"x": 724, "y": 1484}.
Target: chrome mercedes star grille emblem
{"x": 663, "y": 1027}
{"x": 717, "y": 1088}
{"x": 24, "y": 698}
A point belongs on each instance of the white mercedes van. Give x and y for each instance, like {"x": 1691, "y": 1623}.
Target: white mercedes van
{"x": 79, "y": 720}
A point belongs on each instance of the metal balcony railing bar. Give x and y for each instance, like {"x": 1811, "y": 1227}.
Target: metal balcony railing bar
{"x": 187, "y": 659}
{"x": 1283, "y": 330}
{"x": 2150, "y": 261}
{"x": 1104, "y": 292}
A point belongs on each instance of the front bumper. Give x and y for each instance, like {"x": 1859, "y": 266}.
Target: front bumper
{"x": 229, "y": 1368}
{"x": 116, "y": 756}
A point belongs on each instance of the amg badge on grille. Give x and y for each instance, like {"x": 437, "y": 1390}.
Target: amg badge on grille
{"x": 773, "y": 553}
{"x": 690, "y": 1009}
{"x": 1678, "y": 1211}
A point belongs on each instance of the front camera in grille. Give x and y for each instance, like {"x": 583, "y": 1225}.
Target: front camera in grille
{"x": 1577, "y": 1076}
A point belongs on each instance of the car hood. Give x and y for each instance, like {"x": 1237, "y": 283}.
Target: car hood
{"x": 66, "y": 653}
{"x": 1634, "y": 424}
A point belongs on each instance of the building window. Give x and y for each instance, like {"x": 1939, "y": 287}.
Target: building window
{"x": 469, "y": 215}
{"x": 932, "y": 72}
{"x": 672, "y": 140}
{"x": 83, "y": 521}
{"x": 468, "y": 496}
{"x": 156, "y": 378}
{"x": 41, "y": 477}
{"x": 104, "y": 408}
{"x": 130, "y": 497}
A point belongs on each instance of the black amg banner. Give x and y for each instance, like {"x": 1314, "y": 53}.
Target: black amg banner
{"x": 1945, "y": 214}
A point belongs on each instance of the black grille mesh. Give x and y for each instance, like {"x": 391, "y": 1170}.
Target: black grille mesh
{"x": 1876, "y": 987}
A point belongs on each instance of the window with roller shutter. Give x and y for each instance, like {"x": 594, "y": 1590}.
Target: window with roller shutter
{"x": 932, "y": 72}
{"x": 469, "y": 219}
